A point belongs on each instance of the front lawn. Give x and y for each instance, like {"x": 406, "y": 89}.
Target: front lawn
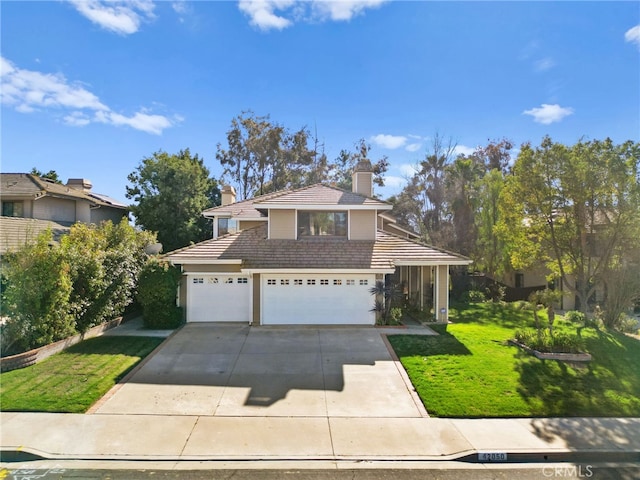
{"x": 471, "y": 371}
{"x": 73, "y": 380}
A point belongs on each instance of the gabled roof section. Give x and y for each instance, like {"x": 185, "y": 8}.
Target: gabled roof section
{"x": 321, "y": 196}
{"x": 21, "y": 185}
{"x": 253, "y": 250}
{"x": 15, "y": 231}
{"x": 241, "y": 209}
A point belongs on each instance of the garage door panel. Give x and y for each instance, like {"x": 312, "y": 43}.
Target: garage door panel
{"x": 317, "y": 299}
{"x": 218, "y": 298}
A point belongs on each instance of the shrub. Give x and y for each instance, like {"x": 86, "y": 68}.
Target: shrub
{"x": 474, "y": 296}
{"x": 542, "y": 341}
{"x": 395, "y": 315}
{"x": 157, "y": 290}
{"x": 37, "y": 296}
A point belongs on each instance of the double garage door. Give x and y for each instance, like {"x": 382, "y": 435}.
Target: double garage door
{"x": 317, "y": 299}
{"x": 291, "y": 299}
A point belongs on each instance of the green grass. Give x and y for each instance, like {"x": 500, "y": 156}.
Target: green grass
{"x": 73, "y": 380}
{"x": 471, "y": 371}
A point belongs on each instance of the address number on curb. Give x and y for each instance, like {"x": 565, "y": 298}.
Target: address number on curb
{"x": 492, "y": 456}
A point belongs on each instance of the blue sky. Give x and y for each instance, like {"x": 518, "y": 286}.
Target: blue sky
{"x": 89, "y": 88}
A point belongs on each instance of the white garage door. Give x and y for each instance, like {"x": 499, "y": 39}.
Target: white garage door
{"x": 317, "y": 299}
{"x": 218, "y": 298}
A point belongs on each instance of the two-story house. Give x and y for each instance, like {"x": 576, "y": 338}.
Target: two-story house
{"x": 306, "y": 256}
{"x": 31, "y": 204}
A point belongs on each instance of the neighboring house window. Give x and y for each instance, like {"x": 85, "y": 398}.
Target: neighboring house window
{"x": 271, "y": 282}
{"x": 313, "y": 224}
{"x": 519, "y": 280}
{"x": 351, "y": 282}
{"x": 227, "y": 225}
{"x": 12, "y": 209}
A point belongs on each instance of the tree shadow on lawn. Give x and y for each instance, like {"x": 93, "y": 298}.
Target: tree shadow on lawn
{"x": 424, "y": 345}
{"x": 489, "y": 313}
{"x": 608, "y": 386}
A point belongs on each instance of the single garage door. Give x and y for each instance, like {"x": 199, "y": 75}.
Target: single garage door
{"x": 218, "y": 298}
{"x": 317, "y": 299}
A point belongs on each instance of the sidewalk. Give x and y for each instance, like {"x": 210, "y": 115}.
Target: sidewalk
{"x": 200, "y": 438}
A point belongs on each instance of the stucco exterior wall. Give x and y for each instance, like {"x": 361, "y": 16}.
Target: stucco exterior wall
{"x": 56, "y": 209}
{"x": 282, "y": 224}
{"x": 362, "y": 224}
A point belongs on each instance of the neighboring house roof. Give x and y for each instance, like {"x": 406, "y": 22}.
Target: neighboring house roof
{"x": 21, "y": 185}
{"x": 253, "y": 250}
{"x": 313, "y": 196}
{"x": 15, "y": 231}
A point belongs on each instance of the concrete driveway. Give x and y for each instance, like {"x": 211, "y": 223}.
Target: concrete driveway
{"x": 229, "y": 371}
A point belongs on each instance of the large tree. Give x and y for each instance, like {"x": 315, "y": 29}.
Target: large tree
{"x": 575, "y": 208}
{"x": 170, "y": 192}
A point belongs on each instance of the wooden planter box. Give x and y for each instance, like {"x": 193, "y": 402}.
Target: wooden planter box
{"x": 564, "y": 357}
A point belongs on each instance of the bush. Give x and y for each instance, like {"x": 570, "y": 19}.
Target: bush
{"x": 542, "y": 341}
{"x": 474, "y": 296}
{"x": 395, "y": 315}
{"x": 157, "y": 290}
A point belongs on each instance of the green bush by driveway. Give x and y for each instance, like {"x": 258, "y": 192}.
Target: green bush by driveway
{"x": 471, "y": 371}
{"x": 73, "y": 380}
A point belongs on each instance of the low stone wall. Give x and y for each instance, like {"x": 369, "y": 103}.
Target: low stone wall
{"x": 564, "y": 357}
{"x": 36, "y": 355}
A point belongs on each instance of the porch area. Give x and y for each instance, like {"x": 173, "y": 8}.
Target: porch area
{"x": 424, "y": 290}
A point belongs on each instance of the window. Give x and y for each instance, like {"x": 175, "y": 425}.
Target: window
{"x": 229, "y": 280}
{"x": 227, "y": 225}
{"x": 271, "y": 281}
{"x": 324, "y": 282}
{"x": 198, "y": 280}
{"x": 313, "y": 224}
{"x": 243, "y": 280}
{"x": 213, "y": 280}
{"x": 297, "y": 282}
{"x": 284, "y": 281}
{"x": 337, "y": 282}
{"x": 12, "y": 209}
{"x": 364, "y": 282}
{"x": 351, "y": 282}
{"x": 311, "y": 281}
{"x": 519, "y": 280}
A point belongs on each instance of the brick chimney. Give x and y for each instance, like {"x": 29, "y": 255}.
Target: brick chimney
{"x": 362, "y": 178}
{"x": 228, "y": 195}
{"x": 82, "y": 184}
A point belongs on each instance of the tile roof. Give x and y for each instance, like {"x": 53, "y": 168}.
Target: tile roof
{"x": 15, "y": 231}
{"x": 256, "y": 251}
{"x": 20, "y": 185}
{"x": 317, "y": 194}
{"x": 320, "y": 194}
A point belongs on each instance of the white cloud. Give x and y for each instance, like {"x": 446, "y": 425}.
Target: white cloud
{"x": 122, "y": 17}
{"x": 279, "y": 14}
{"x": 408, "y": 170}
{"x": 544, "y": 64}
{"x": 633, "y": 35}
{"x": 389, "y": 141}
{"x": 547, "y": 114}
{"x": 413, "y": 147}
{"x": 28, "y": 91}
{"x": 343, "y": 9}
{"x": 262, "y": 13}
{"x": 463, "y": 150}
{"x": 394, "y": 182}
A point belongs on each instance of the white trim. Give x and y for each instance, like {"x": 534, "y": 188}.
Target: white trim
{"x": 203, "y": 261}
{"x": 417, "y": 263}
{"x": 326, "y": 271}
{"x": 325, "y": 207}
{"x": 349, "y": 225}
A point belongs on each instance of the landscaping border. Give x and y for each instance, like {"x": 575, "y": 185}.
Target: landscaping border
{"x": 564, "y": 357}
{"x": 25, "y": 359}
